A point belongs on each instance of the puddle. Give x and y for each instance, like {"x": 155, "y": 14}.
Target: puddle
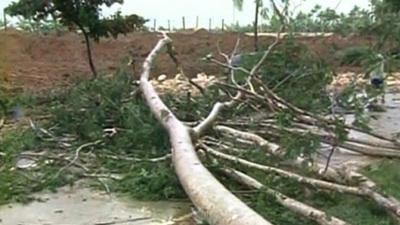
{"x": 384, "y": 123}
{"x": 84, "y": 206}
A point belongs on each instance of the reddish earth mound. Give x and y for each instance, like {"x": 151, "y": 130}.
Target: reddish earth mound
{"x": 36, "y": 62}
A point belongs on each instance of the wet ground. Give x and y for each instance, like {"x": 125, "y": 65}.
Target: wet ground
{"x": 83, "y": 206}
{"x": 385, "y": 123}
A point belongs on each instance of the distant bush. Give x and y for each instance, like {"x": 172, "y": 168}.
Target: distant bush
{"x": 355, "y": 55}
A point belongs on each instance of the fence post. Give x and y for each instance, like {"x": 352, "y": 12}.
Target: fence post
{"x": 223, "y": 25}
{"x": 183, "y": 23}
{"x": 209, "y": 24}
{"x": 169, "y": 25}
{"x": 5, "y": 19}
{"x": 197, "y": 22}
{"x": 155, "y": 25}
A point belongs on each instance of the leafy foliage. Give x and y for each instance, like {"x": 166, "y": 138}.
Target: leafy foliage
{"x": 92, "y": 106}
{"x": 355, "y": 55}
{"x": 83, "y": 112}
{"x": 304, "y": 145}
{"x": 295, "y": 74}
{"x": 82, "y": 14}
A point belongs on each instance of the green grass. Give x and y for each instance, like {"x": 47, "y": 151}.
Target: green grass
{"x": 16, "y": 185}
{"x": 387, "y": 175}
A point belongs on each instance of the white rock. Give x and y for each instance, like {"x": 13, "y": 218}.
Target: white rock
{"x": 162, "y": 77}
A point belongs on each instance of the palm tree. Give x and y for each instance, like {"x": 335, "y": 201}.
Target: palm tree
{"x": 239, "y": 5}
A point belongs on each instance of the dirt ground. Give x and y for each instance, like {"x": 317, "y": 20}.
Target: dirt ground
{"x": 37, "y": 62}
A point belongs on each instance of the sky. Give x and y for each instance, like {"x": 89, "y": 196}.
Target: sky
{"x": 174, "y": 10}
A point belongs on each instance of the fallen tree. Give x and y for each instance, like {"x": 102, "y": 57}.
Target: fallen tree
{"x": 219, "y": 205}
{"x": 212, "y": 199}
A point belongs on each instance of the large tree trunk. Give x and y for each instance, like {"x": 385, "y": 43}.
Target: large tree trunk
{"x": 215, "y": 202}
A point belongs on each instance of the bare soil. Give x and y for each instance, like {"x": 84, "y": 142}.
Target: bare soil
{"x": 36, "y": 62}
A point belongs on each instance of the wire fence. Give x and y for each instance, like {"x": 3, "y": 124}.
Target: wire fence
{"x": 183, "y": 25}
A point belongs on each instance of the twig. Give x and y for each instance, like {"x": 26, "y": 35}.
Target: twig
{"x": 126, "y": 158}
{"x": 264, "y": 57}
{"x": 236, "y": 48}
{"x": 174, "y": 56}
{"x": 123, "y": 221}
{"x": 106, "y": 176}
{"x": 77, "y": 151}
{"x": 226, "y": 57}
{"x": 211, "y": 59}
{"x": 335, "y": 141}
{"x": 328, "y": 160}
{"x": 282, "y": 18}
{"x": 218, "y": 107}
{"x": 2, "y": 122}
{"x": 57, "y": 158}
{"x": 52, "y": 138}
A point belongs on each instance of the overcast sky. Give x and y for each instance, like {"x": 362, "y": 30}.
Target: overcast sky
{"x": 174, "y": 10}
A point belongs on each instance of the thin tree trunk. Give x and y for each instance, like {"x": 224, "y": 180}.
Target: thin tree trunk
{"x": 88, "y": 49}
{"x": 258, "y": 3}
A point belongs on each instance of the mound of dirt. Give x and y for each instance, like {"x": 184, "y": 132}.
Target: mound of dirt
{"x": 35, "y": 62}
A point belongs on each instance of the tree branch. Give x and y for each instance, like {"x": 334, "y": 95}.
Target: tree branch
{"x": 293, "y": 205}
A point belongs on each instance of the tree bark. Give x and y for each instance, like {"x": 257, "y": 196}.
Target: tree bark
{"x": 213, "y": 200}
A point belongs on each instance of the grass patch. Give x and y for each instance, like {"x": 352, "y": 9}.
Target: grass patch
{"x": 16, "y": 185}
{"x": 387, "y": 175}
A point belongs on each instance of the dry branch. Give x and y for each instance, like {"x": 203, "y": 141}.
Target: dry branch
{"x": 267, "y": 146}
{"x": 214, "y": 201}
{"x": 330, "y": 140}
{"x": 275, "y": 150}
{"x": 390, "y": 204}
{"x": 218, "y": 107}
{"x": 304, "y": 116}
{"x": 283, "y": 173}
{"x": 212, "y": 117}
{"x": 132, "y": 159}
{"x": 174, "y": 56}
{"x": 293, "y": 205}
{"x": 76, "y": 156}
{"x": 1, "y": 122}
